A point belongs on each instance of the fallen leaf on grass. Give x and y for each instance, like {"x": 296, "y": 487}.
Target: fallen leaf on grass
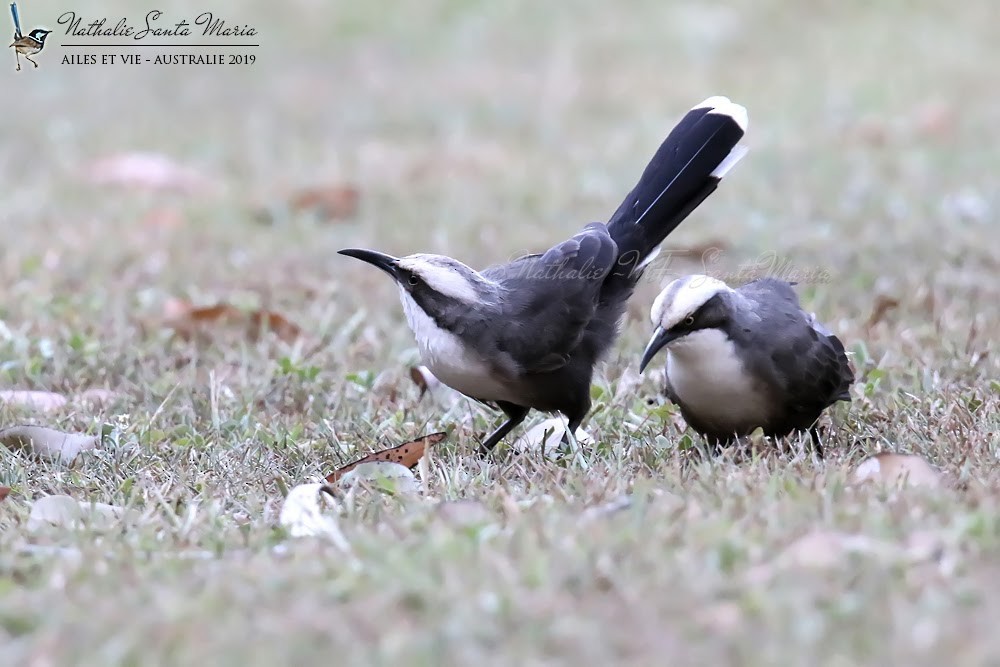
{"x": 98, "y": 397}
{"x": 302, "y": 514}
{"x": 825, "y": 549}
{"x": 67, "y": 512}
{"x": 822, "y": 549}
{"x": 47, "y": 443}
{"x": 188, "y": 320}
{"x": 49, "y": 401}
{"x": 933, "y": 119}
{"x": 547, "y": 437}
{"x": 392, "y": 478}
{"x": 278, "y": 324}
{"x": 4, "y": 492}
{"x": 163, "y": 218}
{"x": 819, "y": 550}
{"x": 407, "y": 454}
{"x": 327, "y": 202}
{"x": 883, "y": 304}
{"x": 892, "y": 469}
{"x": 42, "y": 401}
{"x": 149, "y": 171}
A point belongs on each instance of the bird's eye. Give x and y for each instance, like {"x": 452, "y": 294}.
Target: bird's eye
{"x": 689, "y": 320}
{"x": 413, "y": 280}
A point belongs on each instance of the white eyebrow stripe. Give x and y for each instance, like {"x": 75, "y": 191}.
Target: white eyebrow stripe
{"x": 687, "y": 295}
{"x": 442, "y": 279}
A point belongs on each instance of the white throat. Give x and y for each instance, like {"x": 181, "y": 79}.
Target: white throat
{"x": 710, "y": 381}
{"x": 449, "y": 359}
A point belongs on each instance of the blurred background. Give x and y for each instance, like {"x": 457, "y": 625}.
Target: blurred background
{"x": 149, "y": 212}
{"x": 483, "y": 129}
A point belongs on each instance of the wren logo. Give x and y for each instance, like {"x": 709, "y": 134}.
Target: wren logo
{"x": 26, "y": 45}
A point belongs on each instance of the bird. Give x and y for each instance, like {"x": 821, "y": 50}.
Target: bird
{"x": 30, "y": 44}
{"x": 746, "y": 358}
{"x": 527, "y": 334}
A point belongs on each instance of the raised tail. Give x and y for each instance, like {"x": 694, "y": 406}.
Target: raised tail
{"x": 686, "y": 169}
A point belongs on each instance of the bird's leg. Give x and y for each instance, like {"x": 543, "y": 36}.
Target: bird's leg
{"x": 515, "y": 415}
{"x": 17, "y": 55}
{"x": 569, "y": 438}
{"x": 32, "y": 61}
{"x": 817, "y": 445}
{"x": 576, "y": 417}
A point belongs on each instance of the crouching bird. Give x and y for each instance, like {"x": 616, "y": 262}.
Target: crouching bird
{"x": 746, "y": 358}
{"x": 528, "y": 333}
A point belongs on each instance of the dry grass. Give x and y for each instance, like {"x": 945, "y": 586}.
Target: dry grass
{"x": 480, "y": 130}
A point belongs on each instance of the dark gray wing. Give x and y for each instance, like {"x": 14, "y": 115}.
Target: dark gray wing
{"x": 805, "y": 363}
{"x": 550, "y": 298}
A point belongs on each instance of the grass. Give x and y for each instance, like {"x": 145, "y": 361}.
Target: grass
{"x": 480, "y": 130}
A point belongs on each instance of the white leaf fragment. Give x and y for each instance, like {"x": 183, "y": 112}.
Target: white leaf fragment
{"x": 302, "y": 515}
{"x": 548, "y": 436}
{"x": 385, "y": 475}
{"x": 67, "y": 512}
{"x": 897, "y": 469}
{"x": 47, "y": 443}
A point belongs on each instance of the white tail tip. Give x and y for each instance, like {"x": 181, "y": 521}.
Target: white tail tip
{"x": 723, "y": 105}
{"x": 729, "y": 161}
{"x": 712, "y": 102}
{"x": 737, "y": 112}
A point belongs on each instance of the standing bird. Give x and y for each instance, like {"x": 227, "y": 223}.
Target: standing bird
{"x": 527, "y": 334}
{"x": 746, "y": 358}
{"x": 29, "y": 45}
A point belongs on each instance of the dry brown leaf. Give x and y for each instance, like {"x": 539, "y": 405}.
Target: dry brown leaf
{"x": 282, "y": 327}
{"x": 883, "y": 304}
{"x": 187, "y": 320}
{"x": 871, "y": 130}
{"x": 163, "y": 218}
{"x": 4, "y": 492}
{"x": 891, "y": 469}
{"x": 98, "y": 397}
{"x": 42, "y": 401}
{"x": 327, "y": 202}
{"x": 148, "y": 171}
{"x": 422, "y": 377}
{"x": 407, "y": 454}
{"x": 934, "y": 119}
{"x": 47, "y": 443}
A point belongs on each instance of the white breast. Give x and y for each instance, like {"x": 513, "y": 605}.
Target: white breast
{"x": 711, "y": 383}
{"x": 449, "y": 360}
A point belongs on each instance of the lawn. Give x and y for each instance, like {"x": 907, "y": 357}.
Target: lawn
{"x": 481, "y": 130}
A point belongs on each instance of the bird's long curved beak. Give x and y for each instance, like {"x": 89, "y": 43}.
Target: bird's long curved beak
{"x": 661, "y": 337}
{"x": 385, "y": 262}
